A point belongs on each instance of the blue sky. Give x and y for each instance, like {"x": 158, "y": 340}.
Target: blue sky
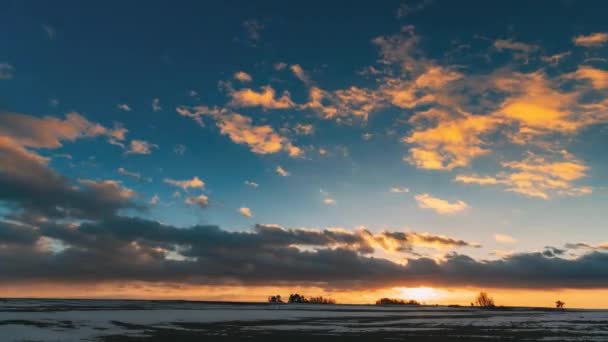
{"x": 520, "y": 86}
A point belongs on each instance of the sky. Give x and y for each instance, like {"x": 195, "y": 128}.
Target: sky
{"x": 230, "y": 150}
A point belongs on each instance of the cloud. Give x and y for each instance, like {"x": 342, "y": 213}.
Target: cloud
{"x": 533, "y": 110}
{"x": 50, "y": 31}
{"x": 125, "y": 249}
{"x": 266, "y": 98}
{"x": 202, "y": 201}
{"x": 439, "y": 205}
{"x": 242, "y": 76}
{"x": 35, "y": 191}
{"x": 251, "y": 184}
{"x": 399, "y": 49}
{"x": 452, "y": 142}
{"x": 504, "y": 238}
{"x": 261, "y": 139}
{"x": 179, "y": 149}
{"x": 124, "y": 107}
{"x": 7, "y": 71}
{"x": 156, "y": 105}
{"x": 49, "y": 132}
{"x": 140, "y": 147}
{"x": 297, "y": 70}
{"x": 537, "y": 176}
{"x": 134, "y": 175}
{"x": 304, "y": 129}
{"x": 344, "y": 104}
{"x": 410, "y": 7}
{"x": 555, "y": 59}
{"x": 253, "y": 29}
{"x": 591, "y": 40}
{"x": 194, "y": 183}
{"x": 245, "y": 212}
{"x": 399, "y": 190}
{"x": 521, "y": 50}
{"x": 155, "y": 200}
{"x": 597, "y": 77}
{"x": 329, "y": 200}
{"x": 281, "y": 171}
{"x": 279, "y": 66}
{"x": 584, "y": 245}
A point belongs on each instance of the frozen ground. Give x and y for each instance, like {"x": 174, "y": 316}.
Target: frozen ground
{"x": 116, "y": 320}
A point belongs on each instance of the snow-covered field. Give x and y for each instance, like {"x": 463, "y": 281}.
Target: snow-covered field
{"x": 116, "y": 320}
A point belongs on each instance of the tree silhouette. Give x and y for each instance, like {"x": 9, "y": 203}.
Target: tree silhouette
{"x": 484, "y": 300}
{"x": 559, "y": 304}
{"x": 296, "y": 298}
{"x": 392, "y": 301}
{"x": 275, "y": 299}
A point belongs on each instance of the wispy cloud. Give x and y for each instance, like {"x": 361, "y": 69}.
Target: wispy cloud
{"x": 591, "y": 40}
{"x": 140, "y": 147}
{"x": 156, "y": 105}
{"x": 281, "y": 171}
{"x": 124, "y": 107}
{"x": 193, "y": 183}
{"x": 7, "y": 71}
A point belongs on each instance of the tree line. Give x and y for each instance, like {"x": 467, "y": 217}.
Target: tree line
{"x": 301, "y": 299}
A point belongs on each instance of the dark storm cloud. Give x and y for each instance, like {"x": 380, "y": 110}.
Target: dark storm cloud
{"x": 136, "y": 249}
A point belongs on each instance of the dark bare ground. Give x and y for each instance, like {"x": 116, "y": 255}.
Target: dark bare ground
{"x": 256, "y": 331}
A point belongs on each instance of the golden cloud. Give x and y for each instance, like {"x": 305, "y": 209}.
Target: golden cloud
{"x": 266, "y": 98}
{"x": 440, "y": 206}
{"x": 537, "y": 176}
{"x": 591, "y": 40}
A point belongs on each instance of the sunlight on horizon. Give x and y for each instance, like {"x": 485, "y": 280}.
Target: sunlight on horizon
{"x": 422, "y": 294}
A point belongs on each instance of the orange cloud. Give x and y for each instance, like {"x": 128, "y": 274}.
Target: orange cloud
{"x": 262, "y": 139}
{"x": 140, "y": 147}
{"x": 266, "y": 99}
{"x": 201, "y": 201}
{"x": 245, "y": 212}
{"x": 439, "y": 205}
{"x": 597, "y": 77}
{"x": 195, "y": 182}
{"x": 452, "y": 142}
{"x": 504, "y": 238}
{"x": 591, "y": 40}
{"x": 300, "y": 73}
{"x": 242, "y": 76}
{"x": 108, "y": 188}
{"x": 537, "y": 177}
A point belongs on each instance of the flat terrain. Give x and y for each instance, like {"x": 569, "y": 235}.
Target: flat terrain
{"x": 118, "y": 320}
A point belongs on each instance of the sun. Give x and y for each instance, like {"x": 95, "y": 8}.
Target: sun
{"x": 421, "y": 294}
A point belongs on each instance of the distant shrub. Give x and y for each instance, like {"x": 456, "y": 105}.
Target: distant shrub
{"x": 394, "y": 301}
{"x": 484, "y": 300}
{"x": 275, "y": 299}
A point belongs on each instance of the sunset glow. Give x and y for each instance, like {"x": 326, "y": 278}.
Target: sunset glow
{"x": 232, "y": 151}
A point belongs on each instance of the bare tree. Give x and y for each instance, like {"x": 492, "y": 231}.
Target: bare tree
{"x": 484, "y": 300}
